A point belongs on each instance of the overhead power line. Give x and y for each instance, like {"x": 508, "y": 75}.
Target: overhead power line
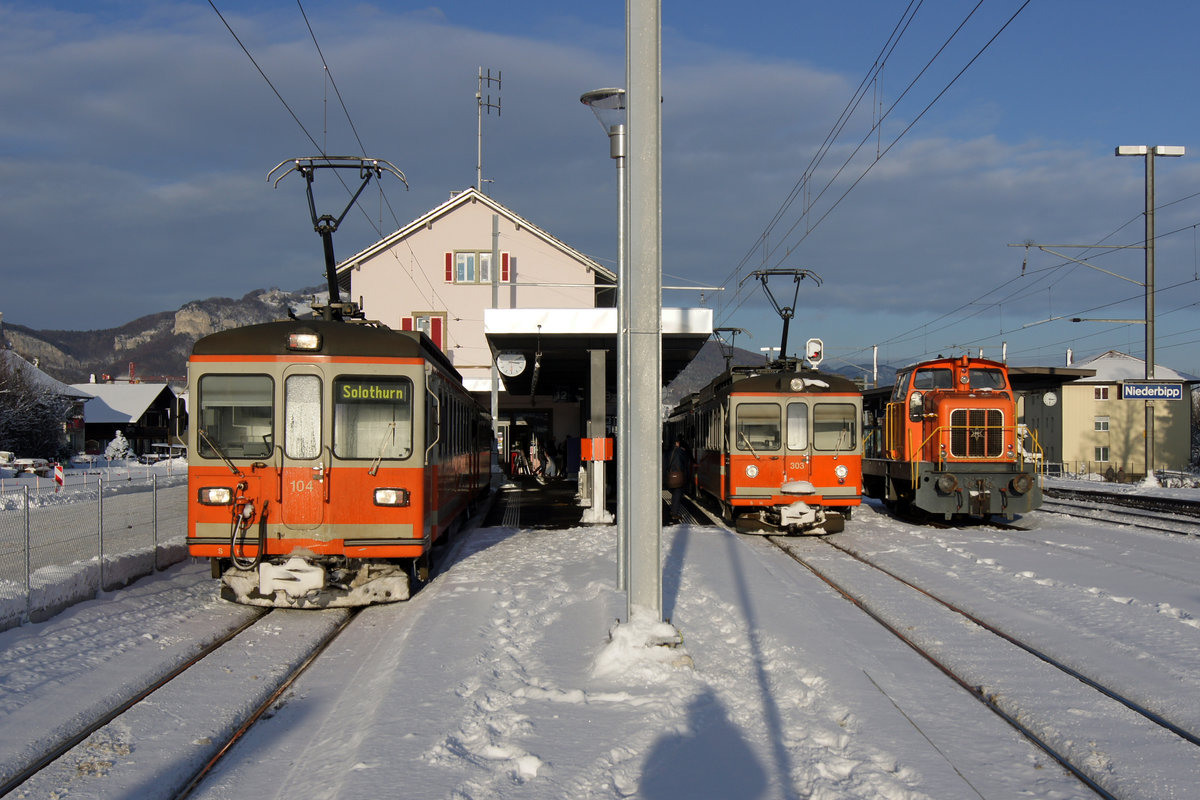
{"x": 805, "y": 213}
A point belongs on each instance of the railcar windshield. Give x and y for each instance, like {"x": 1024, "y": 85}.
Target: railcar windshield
{"x": 237, "y": 413}
{"x": 933, "y": 379}
{"x": 757, "y": 426}
{"x": 372, "y": 417}
{"x": 985, "y": 378}
{"x": 835, "y": 426}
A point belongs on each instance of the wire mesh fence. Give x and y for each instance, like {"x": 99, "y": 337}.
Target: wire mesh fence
{"x": 57, "y": 547}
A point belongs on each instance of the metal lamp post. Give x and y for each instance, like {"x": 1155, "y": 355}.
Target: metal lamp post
{"x": 609, "y": 107}
{"x": 1148, "y": 153}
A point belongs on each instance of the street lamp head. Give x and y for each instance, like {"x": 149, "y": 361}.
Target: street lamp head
{"x": 608, "y": 105}
{"x": 1156, "y": 150}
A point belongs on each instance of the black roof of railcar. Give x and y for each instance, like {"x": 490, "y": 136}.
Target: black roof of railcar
{"x": 780, "y": 381}
{"x": 767, "y": 379}
{"x": 339, "y": 338}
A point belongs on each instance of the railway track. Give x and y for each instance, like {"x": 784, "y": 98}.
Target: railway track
{"x": 1177, "y": 521}
{"x": 179, "y": 728}
{"x": 1159, "y": 505}
{"x": 1054, "y": 717}
{"x": 1133, "y": 725}
{"x": 29, "y": 764}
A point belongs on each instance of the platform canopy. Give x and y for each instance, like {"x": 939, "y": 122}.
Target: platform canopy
{"x": 554, "y": 344}
{"x": 1036, "y": 379}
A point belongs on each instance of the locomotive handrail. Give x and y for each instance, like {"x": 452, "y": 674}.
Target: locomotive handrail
{"x": 941, "y": 461}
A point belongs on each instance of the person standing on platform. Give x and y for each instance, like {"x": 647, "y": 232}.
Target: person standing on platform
{"x": 679, "y": 470}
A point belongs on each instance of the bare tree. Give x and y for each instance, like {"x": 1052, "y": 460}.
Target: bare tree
{"x": 31, "y": 415}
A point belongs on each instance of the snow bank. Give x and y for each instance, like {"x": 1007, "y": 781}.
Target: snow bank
{"x": 55, "y": 588}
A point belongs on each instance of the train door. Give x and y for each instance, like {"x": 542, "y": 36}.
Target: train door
{"x": 305, "y": 476}
{"x": 797, "y": 466}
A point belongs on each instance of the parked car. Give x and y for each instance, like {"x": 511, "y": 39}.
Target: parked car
{"x": 36, "y": 466}
{"x": 7, "y": 458}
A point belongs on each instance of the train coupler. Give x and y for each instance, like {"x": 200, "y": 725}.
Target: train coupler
{"x": 798, "y": 514}
{"x": 981, "y": 502}
{"x": 295, "y": 577}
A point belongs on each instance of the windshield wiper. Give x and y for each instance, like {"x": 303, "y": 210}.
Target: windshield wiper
{"x": 219, "y": 452}
{"x": 746, "y": 441}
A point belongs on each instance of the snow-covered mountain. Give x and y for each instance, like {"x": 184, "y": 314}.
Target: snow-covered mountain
{"x": 154, "y": 346}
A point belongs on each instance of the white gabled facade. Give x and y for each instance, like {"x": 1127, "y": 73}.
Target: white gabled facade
{"x": 436, "y": 274}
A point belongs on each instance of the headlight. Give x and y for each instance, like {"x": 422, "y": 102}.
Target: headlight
{"x": 304, "y": 340}
{"x": 391, "y": 497}
{"x": 841, "y": 470}
{"x": 751, "y": 470}
{"x": 1022, "y": 483}
{"x": 947, "y": 483}
{"x": 215, "y": 496}
{"x": 797, "y": 384}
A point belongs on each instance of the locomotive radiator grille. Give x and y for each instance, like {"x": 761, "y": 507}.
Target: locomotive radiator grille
{"x": 976, "y": 433}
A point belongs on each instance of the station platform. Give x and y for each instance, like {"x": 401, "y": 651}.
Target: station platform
{"x": 525, "y": 502}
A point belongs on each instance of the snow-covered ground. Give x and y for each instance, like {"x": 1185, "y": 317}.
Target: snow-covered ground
{"x": 506, "y": 678}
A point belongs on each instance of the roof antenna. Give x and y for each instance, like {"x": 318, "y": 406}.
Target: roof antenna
{"x": 326, "y": 224}
{"x": 480, "y": 105}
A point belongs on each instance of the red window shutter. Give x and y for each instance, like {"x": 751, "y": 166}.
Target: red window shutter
{"x": 504, "y": 267}
{"x": 449, "y": 267}
{"x": 435, "y": 327}
{"x": 406, "y": 323}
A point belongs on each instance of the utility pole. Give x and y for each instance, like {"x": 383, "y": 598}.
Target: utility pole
{"x": 1148, "y": 153}
{"x": 479, "y": 106}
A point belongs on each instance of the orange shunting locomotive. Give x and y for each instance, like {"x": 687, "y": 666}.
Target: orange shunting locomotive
{"x": 945, "y": 440}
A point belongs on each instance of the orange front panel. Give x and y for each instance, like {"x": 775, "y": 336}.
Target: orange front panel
{"x": 303, "y": 500}
{"x": 352, "y": 496}
{"x": 350, "y": 504}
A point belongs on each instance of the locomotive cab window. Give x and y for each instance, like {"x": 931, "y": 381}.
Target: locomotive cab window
{"x": 757, "y": 426}
{"x": 987, "y": 379}
{"x": 236, "y": 415}
{"x": 835, "y": 427}
{"x": 933, "y": 379}
{"x": 372, "y": 417}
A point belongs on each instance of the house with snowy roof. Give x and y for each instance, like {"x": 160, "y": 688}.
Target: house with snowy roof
{"x": 34, "y": 380}
{"x": 1097, "y": 424}
{"x": 145, "y": 413}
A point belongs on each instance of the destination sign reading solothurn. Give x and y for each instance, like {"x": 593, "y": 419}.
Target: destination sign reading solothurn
{"x": 371, "y": 392}
{"x": 1152, "y": 390}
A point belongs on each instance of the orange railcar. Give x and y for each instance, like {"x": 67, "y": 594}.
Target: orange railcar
{"x": 326, "y": 458}
{"x": 776, "y": 447}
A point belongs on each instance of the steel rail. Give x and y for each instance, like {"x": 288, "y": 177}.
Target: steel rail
{"x": 95, "y": 724}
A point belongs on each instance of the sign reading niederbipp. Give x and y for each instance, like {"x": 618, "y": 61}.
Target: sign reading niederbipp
{"x": 1151, "y": 390}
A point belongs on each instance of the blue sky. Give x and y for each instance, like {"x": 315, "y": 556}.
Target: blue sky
{"x": 135, "y": 139}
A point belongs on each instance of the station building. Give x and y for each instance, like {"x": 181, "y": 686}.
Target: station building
{"x": 1090, "y": 417}
{"x": 522, "y": 315}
